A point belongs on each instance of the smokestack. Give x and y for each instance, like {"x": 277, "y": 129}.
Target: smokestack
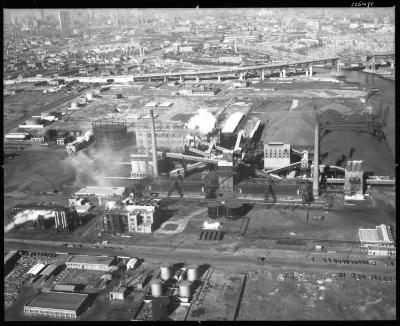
{"x": 235, "y": 44}
{"x": 316, "y": 156}
{"x": 153, "y": 144}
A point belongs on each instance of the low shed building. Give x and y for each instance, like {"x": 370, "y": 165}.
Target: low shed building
{"x": 56, "y": 304}
{"x": 96, "y": 263}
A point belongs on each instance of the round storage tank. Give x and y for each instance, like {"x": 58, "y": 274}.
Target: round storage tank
{"x": 215, "y": 210}
{"x": 74, "y": 105}
{"x": 219, "y": 235}
{"x": 233, "y": 210}
{"x": 185, "y": 289}
{"x": 156, "y": 288}
{"x": 201, "y": 234}
{"x": 165, "y": 271}
{"x": 109, "y": 133}
{"x": 214, "y": 235}
{"x": 192, "y": 273}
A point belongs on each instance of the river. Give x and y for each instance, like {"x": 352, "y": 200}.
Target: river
{"x": 383, "y": 100}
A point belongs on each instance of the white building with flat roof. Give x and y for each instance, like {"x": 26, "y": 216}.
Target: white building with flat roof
{"x": 276, "y": 155}
{"x": 380, "y": 236}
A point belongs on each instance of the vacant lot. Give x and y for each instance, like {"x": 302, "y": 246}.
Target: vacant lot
{"x": 315, "y": 296}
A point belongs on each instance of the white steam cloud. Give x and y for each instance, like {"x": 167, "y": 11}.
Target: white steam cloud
{"x": 28, "y": 215}
{"x": 204, "y": 121}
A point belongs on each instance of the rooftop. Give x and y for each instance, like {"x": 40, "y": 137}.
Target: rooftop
{"x": 101, "y": 191}
{"x": 369, "y": 235}
{"x": 92, "y": 259}
{"x": 57, "y": 300}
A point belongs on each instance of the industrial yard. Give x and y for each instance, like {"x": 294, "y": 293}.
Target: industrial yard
{"x": 193, "y": 173}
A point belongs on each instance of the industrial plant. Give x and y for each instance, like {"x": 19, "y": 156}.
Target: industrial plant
{"x": 199, "y": 164}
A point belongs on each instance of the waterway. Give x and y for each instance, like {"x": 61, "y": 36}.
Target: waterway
{"x": 381, "y": 101}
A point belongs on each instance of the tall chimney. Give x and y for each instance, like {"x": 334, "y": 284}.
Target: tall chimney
{"x": 316, "y": 156}
{"x": 153, "y": 144}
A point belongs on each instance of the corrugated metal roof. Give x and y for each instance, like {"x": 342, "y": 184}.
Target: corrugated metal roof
{"x": 232, "y": 122}
{"x": 49, "y": 270}
{"x": 36, "y": 269}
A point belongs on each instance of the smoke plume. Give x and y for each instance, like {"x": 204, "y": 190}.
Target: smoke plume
{"x": 28, "y": 215}
{"x": 94, "y": 160}
{"x": 204, "y": 121}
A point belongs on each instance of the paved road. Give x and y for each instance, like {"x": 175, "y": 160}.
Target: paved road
{"x": 41, "y": 109}
{"x": 282, "y": 259}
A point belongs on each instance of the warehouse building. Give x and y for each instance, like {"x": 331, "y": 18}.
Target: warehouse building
{"x": 380, "y": 236}
{"x": 170, "y": 135}
{"x": 95, "y": 263}
{"x": 53, "y": 304}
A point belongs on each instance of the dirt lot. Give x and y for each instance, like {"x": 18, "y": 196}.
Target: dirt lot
{"x": 315, "y": 296}
{"x": 221, "y": 298}
{"x": 336, "y": 225}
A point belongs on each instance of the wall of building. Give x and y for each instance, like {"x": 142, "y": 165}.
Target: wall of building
{"x": 276, "y": 155}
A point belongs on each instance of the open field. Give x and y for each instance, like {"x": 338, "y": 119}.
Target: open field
{"x": 315, "y": 296}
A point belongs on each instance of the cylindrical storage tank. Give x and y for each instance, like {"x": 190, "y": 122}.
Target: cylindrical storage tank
{"x": 209, "y": 235}
{"x": 74, "y": 105}
{"x": 354, "y": 166}
{"x": 33, "y": 121}
{"x": 156, "y": 288}
{"x": 192, "y": 273}
{"x": 185, "y": 289}
{"x": 215, "y": 210}
{"x": 201, "y": 234}
{"x": 165, "y": 271}
{"x": 348, "y": 167}
{"x": 89, "y": 96}
{"x": 204, "y": 235}
{"x": 219, "y": 235}
{"x": 233, "y": 210}
{"x": 214, "y": 235}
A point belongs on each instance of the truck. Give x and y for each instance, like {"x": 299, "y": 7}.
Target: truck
{"x": 260, "y": 260}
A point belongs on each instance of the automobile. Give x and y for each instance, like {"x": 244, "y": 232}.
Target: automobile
{"x": 335, "y": 261}
{"x": 353, "y": 275}
{"x": 339, "y": 261}
{"x": 329, "y": 260}
{"x": 366, "y": 262}
{"x": 378, "y": 278}
{"x": 389, "y": 279}
{"x": 355, "y": 262}
{"x": 373, "y": 262}
{"x": 359, "y": 262}
{"x": 324, "y": 260}
{"x": 384, "y": 279}
{"x": 392, "y": 263}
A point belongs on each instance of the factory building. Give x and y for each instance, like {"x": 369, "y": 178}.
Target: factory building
{"x": 111, "y": 133}
{"x": 114, "y": 221}
{"x": 101, "y": 193}
{"x": 9, "y": 261}
{"x": 42, "y": 216}
{"x": 143, "y": 218}
{"x": 276, "y": 155}
{"x": 95, "y": 263}
{"x": 354, "y": 178}
{"x": 53, "y": 304}
{"x": 141, "y": 169}
{"x": 171, "y": 136}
